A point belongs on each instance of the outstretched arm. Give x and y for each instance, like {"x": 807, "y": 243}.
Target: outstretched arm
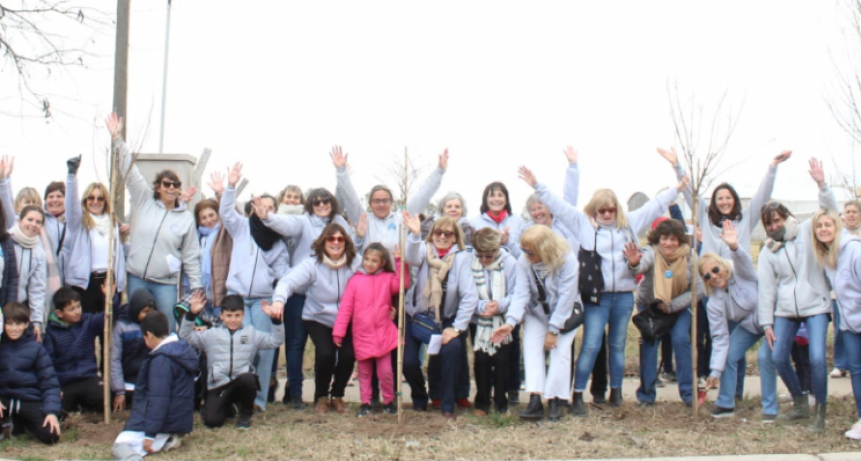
{"x": 352, "y": 204}
{"x": 420, "y": 200}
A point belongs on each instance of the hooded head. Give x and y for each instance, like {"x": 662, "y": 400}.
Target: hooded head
{"x": 140, "y": 304}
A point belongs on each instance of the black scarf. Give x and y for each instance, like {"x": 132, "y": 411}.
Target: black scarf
{"x": 263, "y": 236}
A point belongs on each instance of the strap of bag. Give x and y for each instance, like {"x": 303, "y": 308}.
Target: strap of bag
{"x": 542, "y": 295}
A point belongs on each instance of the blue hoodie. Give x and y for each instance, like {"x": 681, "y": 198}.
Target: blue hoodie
{"x": 27, "y": 374}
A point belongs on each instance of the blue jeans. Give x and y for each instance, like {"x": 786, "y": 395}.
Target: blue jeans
{"x": 450, "y": 357}
{"x": 740, "y": 365}
{"x": 165, "y": 296}
{"x": 840, "y": 360}
{"x": 681, "y": 338}
{"x": 295, "y": 338}
{"x": 255, "y": 317}
{"x": 785, "y": 330}
{"x": 740, "y": 340}
{"x": 852, "y": 341}
{"x": 615, "y": 309}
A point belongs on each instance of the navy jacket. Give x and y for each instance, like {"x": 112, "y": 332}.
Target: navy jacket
{"x": 9, "y": 287}
{"x": 72, "y": 347}
{"x": 27, "y": 374}
{"x": 164, "y": 393}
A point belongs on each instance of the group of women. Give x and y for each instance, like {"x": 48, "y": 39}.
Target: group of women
{"x": 485, "y": 277}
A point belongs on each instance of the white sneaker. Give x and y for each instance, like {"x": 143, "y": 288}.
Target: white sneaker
{"x": 838, "y": 373}
{"x": 174, "y": 441}
{"x": 855, "y": 432}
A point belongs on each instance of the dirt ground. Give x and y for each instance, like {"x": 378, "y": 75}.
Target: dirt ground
{"x": 664, "y": 430}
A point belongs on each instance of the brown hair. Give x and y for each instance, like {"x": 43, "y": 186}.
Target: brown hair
{"x": 486, "y": 240}
{"x": 54, "y": 187}
{"x": 766, "y": 214}
{"x": 291, "y": 188}
{"x": 203, "y": 205}
{"x": 165, "y": 174}
{"x": 715, "y": 214}
{"x": 385, "y": 256}
{"x": 86, "y": 217}
{"x": 442, "y": 221}
{"x": 16, "y": 312}
{"x": 321, "y": 194}
{"x": 319, "y": 245}
{"x": 30, "y": 208}
{"x": 669, "y": 227}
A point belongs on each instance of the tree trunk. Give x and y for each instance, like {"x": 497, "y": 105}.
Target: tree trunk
{"x": 110, "y": 282}
{"x": 694, "y": 302}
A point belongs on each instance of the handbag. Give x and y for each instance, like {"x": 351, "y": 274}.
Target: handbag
{"x": 591, "y": 281}
{"x": 424, "y": 325}
{"x": 577, "y": 312}
{"x": 653, "y": 322}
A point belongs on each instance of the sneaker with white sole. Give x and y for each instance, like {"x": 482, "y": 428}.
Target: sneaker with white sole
{"x": 838, "y": 373}
{"x": 768, "y": 419}
{"x": 719, "y": 412}
{"x": 855, "y": 432}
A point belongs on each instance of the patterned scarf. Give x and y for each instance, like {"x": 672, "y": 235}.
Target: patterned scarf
{"x": 497, "y": 290}
{"x": 437, "y": 271}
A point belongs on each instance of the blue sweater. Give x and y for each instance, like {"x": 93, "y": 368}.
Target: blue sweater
{"x": 72, "y": 347}
{"x": 27, "y": 374}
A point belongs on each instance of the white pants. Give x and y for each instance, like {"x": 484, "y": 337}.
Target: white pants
{"x": 553, "y": 381}
{"x": 131, "y": 442}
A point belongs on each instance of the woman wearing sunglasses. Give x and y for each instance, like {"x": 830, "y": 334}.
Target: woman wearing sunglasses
{"x": 164, "y": 237}
{"x": 88, "y": 228}
{"x": 793, "y": 289}
{"x": 603, "y": 228}
{"x": 731, "y": 287}
{"x": 444, "y": 288}
{"x": 323, "y": 279}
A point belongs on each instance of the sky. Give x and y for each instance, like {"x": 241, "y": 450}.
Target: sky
{"x": 498, "y": 83}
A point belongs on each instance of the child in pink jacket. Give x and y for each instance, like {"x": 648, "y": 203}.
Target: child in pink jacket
{"x": 367, "y": 309}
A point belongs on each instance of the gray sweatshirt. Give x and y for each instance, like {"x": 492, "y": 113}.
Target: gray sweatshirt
{"x": 323, "y": 287}
{"x": 561, "y": 290}
{"x": 646, "y": 290}
{"x": 32, "y": 283}
{"x": 846, "y": 281}
{"x": 509, "y": 267}
{"x": 304, "y": 229}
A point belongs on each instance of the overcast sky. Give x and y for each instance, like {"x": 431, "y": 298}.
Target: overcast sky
{"x": 499, "y": 84}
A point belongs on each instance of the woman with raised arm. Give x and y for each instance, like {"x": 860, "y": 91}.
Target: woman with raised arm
{"x": 544, "y": 299}
{"x": 323, "y": 279}
{"x": 444, "y": 291}
{"x": 731, "y": 287}
{"x": 384, "y": 222}
{"x": 603, "y": 229}
{"x": 164, "y": 237}
{"x": 793, "y": 290}
{"x": 88, "y": 228}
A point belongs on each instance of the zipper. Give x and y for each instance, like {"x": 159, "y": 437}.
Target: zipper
{"x": 795, "y": 285}
{"x": 613, "y": 260}
{"x": 230, "y": 372}
{"x": 253, "y": 272}
{"x": 155, "y": 239}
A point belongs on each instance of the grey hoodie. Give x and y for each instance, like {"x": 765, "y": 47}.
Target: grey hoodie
{"x": 304, "y": 230}
{"x": 323, "y": 287}
{"x": 736, "y": 303}
{"x": 509, "y": 266}
{"x": 846, "y": 281}
{"x": 560, "y": 287}
{"x": 158, "y": 234}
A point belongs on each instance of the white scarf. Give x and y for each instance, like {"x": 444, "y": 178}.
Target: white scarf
{"x": 284, "y": 209}
{"x": 487, "y": 325}
{"x": 21, "y": 239}
{"x": 102, "y": 223}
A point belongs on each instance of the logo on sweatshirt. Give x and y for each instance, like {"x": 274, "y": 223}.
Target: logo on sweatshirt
{"x": 846, "y": 274}
{"x": 175, "y": 229}
{"x": 243, "y": 340}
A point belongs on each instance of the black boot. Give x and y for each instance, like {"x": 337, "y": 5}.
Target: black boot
{"x": 599, "y": 399}
{"x": 578, "y": 408}
{"x": 616, "y": 397}
{"x": 535, "y": 410}
{"x": 555, "y": 412}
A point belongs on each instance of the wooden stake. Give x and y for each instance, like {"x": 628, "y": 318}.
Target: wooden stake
{"x": 109, "y": 285}
{"x": 694, "y": 300}
{"x": 402, "y": 294}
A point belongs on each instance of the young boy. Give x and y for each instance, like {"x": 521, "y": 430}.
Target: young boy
{"x": 70, "y": 341}
{"x": 129, "y": 349}
{"x": 29, "y": 390}
{"x": 230, "y": 351}
{"x": 163, "y": 407}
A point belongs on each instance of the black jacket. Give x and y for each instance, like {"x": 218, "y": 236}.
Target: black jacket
{"x": 27, "y": 373}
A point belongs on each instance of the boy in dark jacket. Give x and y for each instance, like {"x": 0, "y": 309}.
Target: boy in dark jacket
{"x": 163, "y": 407}
{"x": 230, "y": 352}
{"x": 70, "y": 341}
{"x": 29, "y": 390}
{"x": 129, "y": 350}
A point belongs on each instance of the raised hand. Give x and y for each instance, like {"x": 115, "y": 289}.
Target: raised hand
{"x": 198, "y": 302}
{"x": 234, "y": 174}
{"x": 73, "y": 164}
{"x": 685, "y": 183}
{"x": 729, "y": 235}
{"x": 339, "y": 158}
{"x": 412, "y": 223}
{"x": 501, "y": 333}
{"x": 781, "y": 157}
{"x": 272, "y": 309}
{"x": 570, "y": 154}
{"x": 669, "y": 155}
{"x": 443, "y": 160}
{"x": 817, "y": 172}
{"x": 632, "y": 254}
{"x": 526, "y": 175}
{"x": 188, "y": 194}
{"x": 396, "y": 253}
{"x": 216, "y": 182}
{"x": 362, "y": 226}
{"x": 115, "y": 125}
{"x": 6, "y": 164}
{"x": 506, "y": 233}
{"x": 259, "y": 209}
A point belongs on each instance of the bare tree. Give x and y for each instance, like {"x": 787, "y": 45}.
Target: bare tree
{"x": 41, "y": 37}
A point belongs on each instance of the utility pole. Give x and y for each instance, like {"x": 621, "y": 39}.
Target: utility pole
{"x": 121, "y": 80}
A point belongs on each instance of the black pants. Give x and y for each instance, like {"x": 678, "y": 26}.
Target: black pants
{"x": 241, "y": 391}
{"x": 330, "y": 361}
{"x": 28, "y": 416}
{"x": 704, "y": 341}
{"x": 801, "y": 358}
{"x": 92, "y": 299}
{"x": 497, "y": 368}
{"x": 666, "y": 355}
{"x": 515, "y": 361}
{"x": 600, "y": 371}
{"x": 84, "y": 395}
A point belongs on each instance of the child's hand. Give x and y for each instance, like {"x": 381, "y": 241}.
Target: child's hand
{"x": 337, "y": 345}
{"x": 119, "y": 403}
{"x": 198, "y": 301}
{"x": 3, "y": 408}
{"x": 272, "y": 310}
{"x": 397, "y": 253}
{"x": 52, "y": 422}
{"x": 37, "y": 331}
{"x": 392, "y": 313}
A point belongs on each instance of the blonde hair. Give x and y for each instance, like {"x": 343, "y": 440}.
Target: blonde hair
{"x": 486, "y": 239}
{"x": 706, "y": 261}
{"x": 826, "y": 255}
{"x": 27, "y": 193}
{"x": 86, "y": 217}
{"x": 549, "y": 246}
{"x": 606, "y": 198}
{"x": 445, "y": 221}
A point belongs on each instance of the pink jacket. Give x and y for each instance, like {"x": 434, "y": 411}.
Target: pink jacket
{"x": 365, "y": 308}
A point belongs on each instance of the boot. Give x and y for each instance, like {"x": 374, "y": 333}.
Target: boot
{"x": 339, "y": 405}
{"x": 800, "y": 410}
{"x": 578, "y": 408}
{"x": 322, "y": 406}
{"x": 616, "y": 397}
{"x": 818, "y": 424}
{"x": 555, "y": 412}
{"x": 535, "y": 410}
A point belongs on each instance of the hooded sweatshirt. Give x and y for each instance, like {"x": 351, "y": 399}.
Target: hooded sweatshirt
{"x": 304, "y": 229}
{"x": 561, "y": 292}
{"x": 846, "y": 281}
{"x": 128, "y": 349}
{"x": 27, "y": 373}
{"x": 323, "y": 287}
{"x": 253, "y": 271}
{"x": 32, "y": 286}
{"x": 571, "y": 195}
{"x": 791, "y": 283}
{"x": 160, "y": 238}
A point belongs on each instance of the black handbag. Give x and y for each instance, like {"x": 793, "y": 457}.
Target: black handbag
{"x": 653, "y": 322}
{"x": 424, "y": 325}
{"x": 591, "y": 280}
{"x": 577, "y": 313}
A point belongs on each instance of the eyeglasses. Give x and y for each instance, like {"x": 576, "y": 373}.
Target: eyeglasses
{"x": 715, "y": 271}
{"x": 381, "y": 201}
{"x": 487, "y": 257}
{"x": 529, "y": 253}
{"x": 335, "y": 239}
{"x": 442, "y": 233}
{"x": 603, "y": 211}
{"x": 168, "y": 184}
{"x": 322, "y": 201}
{"x": 95, "y": 199}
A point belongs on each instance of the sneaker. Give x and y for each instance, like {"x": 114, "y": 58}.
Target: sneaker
{"x": 353, "y": 378}
{"x": 297, "y": 404}
{"x": 436, "y": 403}
{"x": 243, "y": 422}
{"x": 391, "y": 408}
{"x": 669, "y": 377}
{"x": 645, "y": 403}
{"x": 768, "y": 419}
{"x": 174, "y": 441}
{"x": 514, "y": 398}
{"x": 701, "y": 384}
{"x": 838, "y": 373}
{"x": 659, "y": 383}
{"x": 855, "y": 432}
{"x": 719, "y": 412}
{"x": 364, "y": 410}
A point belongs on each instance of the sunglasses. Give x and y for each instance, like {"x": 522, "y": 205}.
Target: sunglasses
{"x": 603, "y": 211}
{"x": 335, "y": 239}
{"x": 95, "y": 199}
{"x": 442, "y": 233}
{"x": 322, "y": 201}
{"x": 708, "y": 276}
{"x": 529, "y": 253}
{"x": 167, "y": 184}
{"x": 486, "y": 257}
{"x": 381, "y": 201}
